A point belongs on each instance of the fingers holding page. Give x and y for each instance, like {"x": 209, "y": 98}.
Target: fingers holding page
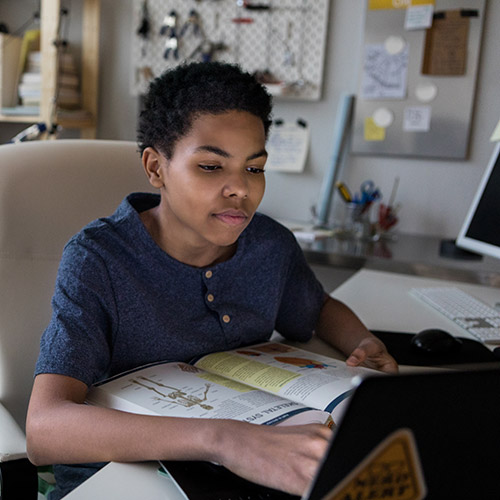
{"x": 372, "y": 353}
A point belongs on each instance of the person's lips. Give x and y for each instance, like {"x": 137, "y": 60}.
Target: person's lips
{"x": 232, "y": 217}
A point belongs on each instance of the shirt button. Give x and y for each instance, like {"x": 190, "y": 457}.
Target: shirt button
{"x": 208, "y": 274}
{"x": 226, "y": 318}
{"x": 210, "y": 297}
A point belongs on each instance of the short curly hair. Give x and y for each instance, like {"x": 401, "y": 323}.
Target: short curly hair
{"x": 183, "y": 93}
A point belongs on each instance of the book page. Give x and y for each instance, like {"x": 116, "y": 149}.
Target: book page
{"x": 182, "y": 390}
{"x": 293, "y": 373}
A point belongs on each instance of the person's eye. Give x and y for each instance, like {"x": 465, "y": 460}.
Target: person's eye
{"x": 255, "y": 170}
{"x": 209, "y": 168}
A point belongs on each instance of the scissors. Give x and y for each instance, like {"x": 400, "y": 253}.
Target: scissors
{"x": 369, "y": 192}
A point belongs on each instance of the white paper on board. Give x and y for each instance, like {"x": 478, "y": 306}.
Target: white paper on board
{"x": 287, "y": 147}
{"x": 419, "y": 17}
{"x": 417, "y": 119}
{"x": 384, "y": 74}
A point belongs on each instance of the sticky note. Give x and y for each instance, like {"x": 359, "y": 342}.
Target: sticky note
{"x": 396, "y": 4}
{"x": 372, "y": 131}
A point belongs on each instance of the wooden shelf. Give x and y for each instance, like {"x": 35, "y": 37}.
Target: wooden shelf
{"x": 20, "y": 118}
{"x": 49, "y": 22}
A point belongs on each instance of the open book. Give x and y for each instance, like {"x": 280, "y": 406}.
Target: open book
{"x": 268, "y": 383}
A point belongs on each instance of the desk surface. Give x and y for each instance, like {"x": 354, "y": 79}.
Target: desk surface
{"x": 127, "y": 482}
{"x": 382, "y": 302}
{"x": 407, "y": 253}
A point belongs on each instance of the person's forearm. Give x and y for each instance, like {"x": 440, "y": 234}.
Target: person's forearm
{"x": 340, "y": 327}
{"x": 62, "y": 429}
{"x": 79, "y": 433}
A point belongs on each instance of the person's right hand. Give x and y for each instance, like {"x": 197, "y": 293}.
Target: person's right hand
{"x": 285, "y": 458}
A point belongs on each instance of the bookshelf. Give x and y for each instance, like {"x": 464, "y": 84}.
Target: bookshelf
{"x": 50, "y": 14}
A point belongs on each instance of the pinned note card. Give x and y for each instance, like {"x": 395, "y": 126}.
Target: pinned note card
{"x": 385, "y": 70}
{"x": 417, "y": 119}
{"x": 419, "y": 17}
{"x": 445, "y": 51}
{"x": 287, "y": 146}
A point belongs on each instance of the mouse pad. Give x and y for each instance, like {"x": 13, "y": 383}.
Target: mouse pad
{"x": 398, "y": 345}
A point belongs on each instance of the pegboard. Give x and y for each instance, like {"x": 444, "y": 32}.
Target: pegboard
{"x": 284, "y": 38}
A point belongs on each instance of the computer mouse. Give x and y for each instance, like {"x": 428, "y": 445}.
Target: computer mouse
{"x": 435, "y": 341}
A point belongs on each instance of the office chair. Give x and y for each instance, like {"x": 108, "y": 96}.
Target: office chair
{"x": 48, "y": 191}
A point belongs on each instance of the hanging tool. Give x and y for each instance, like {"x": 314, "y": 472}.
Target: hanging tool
{"x": 144, "y": 28}
{"x": 193, "y": 25}
{"x": 207, "y": 50}
{"x": 242, "y": 20}
{"x": 169, "y": 29}
{"x": 252, "y": 6}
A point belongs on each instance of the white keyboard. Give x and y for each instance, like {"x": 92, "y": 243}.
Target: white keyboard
{"x": 479, "y": 319}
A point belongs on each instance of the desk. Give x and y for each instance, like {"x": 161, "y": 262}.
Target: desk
{"x": 379, "y": 298}
{"x": 408, "y": 254}
{"x": 382, "y": 302}
{"x": 127, "y": 482}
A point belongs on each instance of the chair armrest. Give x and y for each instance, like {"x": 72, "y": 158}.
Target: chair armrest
{"x": 18, "y": 477}
{"x": 12, "y": 438}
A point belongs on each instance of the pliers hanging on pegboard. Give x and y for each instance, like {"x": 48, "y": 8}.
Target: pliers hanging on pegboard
{"x": 169, "y": 28}
{"x": 193, "y": 24}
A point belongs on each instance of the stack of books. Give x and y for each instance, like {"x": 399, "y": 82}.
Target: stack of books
{"x": 67, "y": 89}
{"x": 68, "y": 85}
{"x": 30, "y": 84}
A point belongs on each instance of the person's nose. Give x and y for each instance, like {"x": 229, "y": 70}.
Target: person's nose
{"x": 236, "y": 186}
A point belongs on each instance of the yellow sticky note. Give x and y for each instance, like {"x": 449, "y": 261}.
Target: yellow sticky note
{"x": 372, "y": 131}
{"x": 396, "y": 4}
{"x": 496, "y": 133}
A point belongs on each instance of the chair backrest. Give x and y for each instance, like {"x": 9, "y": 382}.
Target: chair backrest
{"x": 48, "y": 191}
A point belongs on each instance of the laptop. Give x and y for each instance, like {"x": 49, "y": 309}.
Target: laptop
{"x": 431, "y": 435}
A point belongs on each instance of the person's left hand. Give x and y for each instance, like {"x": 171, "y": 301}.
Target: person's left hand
{"x": 372, "y": 353}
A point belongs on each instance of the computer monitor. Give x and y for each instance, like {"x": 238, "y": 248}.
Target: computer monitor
{"x": 481, "y": 229}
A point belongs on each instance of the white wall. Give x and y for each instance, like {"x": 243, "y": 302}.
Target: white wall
{"x": 435, "y": 194}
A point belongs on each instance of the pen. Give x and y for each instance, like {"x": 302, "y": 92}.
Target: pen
{"x": 393, "y": 192}
{"x": 344, "y": 192}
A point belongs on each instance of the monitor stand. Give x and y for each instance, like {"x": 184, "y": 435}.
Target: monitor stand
{"x": 449, "y": 249}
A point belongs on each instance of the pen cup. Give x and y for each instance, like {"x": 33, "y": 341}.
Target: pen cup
{"x": 357, "y": 223}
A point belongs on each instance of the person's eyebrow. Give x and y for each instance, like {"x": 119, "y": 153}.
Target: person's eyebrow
{"x": 262, "y": 152}
{"x": 221, "y": 152}
{"x": 212, "y": 149}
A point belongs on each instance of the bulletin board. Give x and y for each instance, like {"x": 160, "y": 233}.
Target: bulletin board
{"x": 418, "y": 77}
{"x": 283, "y": 40}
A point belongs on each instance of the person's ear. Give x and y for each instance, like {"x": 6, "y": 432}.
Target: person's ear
{"x": 152, "y": 161}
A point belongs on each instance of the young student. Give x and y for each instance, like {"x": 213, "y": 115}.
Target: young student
{"x": 189, "y": 271}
